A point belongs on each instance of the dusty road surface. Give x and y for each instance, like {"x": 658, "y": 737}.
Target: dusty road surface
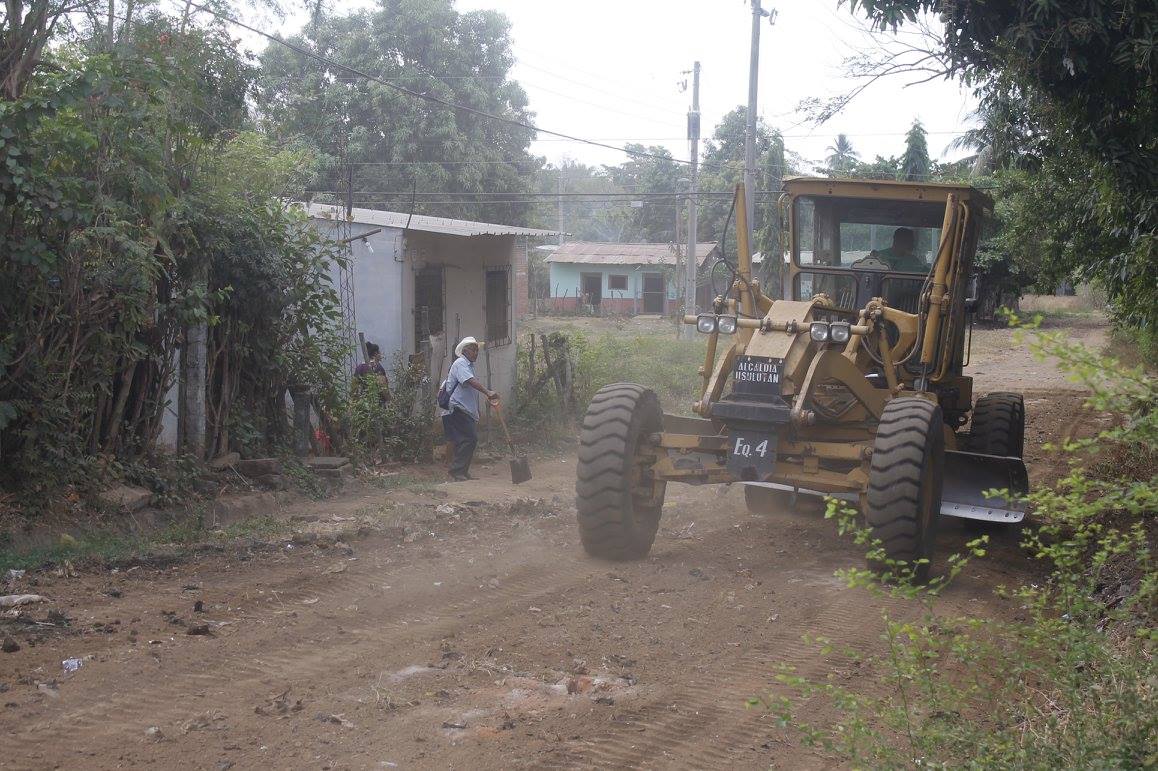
{"x": 465, "y": 628}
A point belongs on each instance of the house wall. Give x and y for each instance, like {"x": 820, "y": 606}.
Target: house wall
{"x": 465, "y": 262}
{"x": 384, "y": 282}
{"x": 566, "y": 281}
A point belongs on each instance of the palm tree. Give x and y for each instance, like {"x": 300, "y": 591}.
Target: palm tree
{"x": 842, "y": 158}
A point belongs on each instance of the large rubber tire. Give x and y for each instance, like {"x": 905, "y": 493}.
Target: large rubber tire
{"x": 614, "y": 523}
{"x": 904, "y": 493}
{"x": 998, "y": 426}
{"x": 768, "y": 500}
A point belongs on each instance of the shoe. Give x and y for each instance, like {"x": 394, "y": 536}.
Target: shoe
{"x": 460, "y": 477}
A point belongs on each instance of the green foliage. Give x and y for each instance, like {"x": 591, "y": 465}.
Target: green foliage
{"x": 304, "y": 479}
{"x": 915, "y": 163}
{"x": 1068, "y": 682}
{"x": 170, "y": 478}
{"x": 383, "y": 424}
{"x": 842, "y": 158}
{"x": 399, "y": 143}
{"x": 663, "y": 363}
{"x": 723, "y": 166}
{"x": 653, "y": 170}
{"x": 1069, "y": 93}
{"x": 136, "y": 204}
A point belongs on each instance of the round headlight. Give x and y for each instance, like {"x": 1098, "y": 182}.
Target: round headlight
{"x": 839, "y": 331}
{"x": 726, "y": 325}
{"x": 706, "y": 323}
{"x": 818, "y": 331}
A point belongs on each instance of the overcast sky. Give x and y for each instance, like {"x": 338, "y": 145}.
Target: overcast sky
{"x": 612, "y": 70}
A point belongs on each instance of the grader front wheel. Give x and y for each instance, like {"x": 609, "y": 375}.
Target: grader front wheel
{"x": 904, "y": 491}
{"x": 619, "y": 503}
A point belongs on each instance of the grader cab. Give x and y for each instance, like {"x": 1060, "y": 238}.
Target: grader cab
{"x": 851, "y": 386}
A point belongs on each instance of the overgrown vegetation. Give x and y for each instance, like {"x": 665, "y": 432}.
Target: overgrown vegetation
{"x": 138, "y": 209}
{"x": 396, "y": 424}
{"x": 1068, "y": 100}
{"x": 1066, "y": 683}
{"x": 666, "y": 364}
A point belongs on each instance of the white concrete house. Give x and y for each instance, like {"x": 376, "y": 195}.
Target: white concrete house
{"x": 416, "y": 275}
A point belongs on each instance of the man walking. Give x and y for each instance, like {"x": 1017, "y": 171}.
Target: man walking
{"x": 460, "y": 420}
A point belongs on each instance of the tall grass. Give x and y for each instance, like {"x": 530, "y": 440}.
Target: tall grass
{"x": 659, "y": 361}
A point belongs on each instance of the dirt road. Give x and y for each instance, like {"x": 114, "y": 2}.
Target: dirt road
{"x": 466, "y": 629}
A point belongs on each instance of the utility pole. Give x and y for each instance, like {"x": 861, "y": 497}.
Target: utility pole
{"x": 758, "y": 13}
{"x": 694, "y": 137}
{"x": 559, "y": 199}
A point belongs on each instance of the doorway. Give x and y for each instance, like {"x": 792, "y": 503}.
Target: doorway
{"x": 429, "y": 304}
{"x": 591, "y": 286}
{"x": 654, "y": 293}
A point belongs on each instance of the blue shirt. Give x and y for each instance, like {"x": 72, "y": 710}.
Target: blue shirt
{"x": 465, "y": 397}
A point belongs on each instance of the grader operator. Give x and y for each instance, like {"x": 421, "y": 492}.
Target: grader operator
{"x": 851, "y": 386}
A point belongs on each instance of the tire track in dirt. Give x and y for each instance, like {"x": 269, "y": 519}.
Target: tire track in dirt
{"x": 301, "y": 660}
{"x": 711, "y": 724}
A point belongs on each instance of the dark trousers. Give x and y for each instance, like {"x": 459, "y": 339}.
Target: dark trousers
{"x": 462, "y": 430}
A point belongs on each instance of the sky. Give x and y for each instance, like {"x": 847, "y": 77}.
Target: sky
{"x": 613, "y": 69}
{"x": 617, "y": 71}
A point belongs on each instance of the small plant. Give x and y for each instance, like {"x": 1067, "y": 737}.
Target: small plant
{"x": 304, "y": 479}
{"x": 171, "y": 478}
{"x": 1070, "y": 684}
{"x": 390, "y": 424}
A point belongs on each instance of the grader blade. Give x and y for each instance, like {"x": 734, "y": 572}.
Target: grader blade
{"x": 968, "y": 475}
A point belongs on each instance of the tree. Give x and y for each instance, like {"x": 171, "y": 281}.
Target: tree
{"x": 915, "y": 163}
{"x": 723, "y": 166}
{"x": 653, "y": 175}
{"x": 879, "y": 168}
{"x": 1073, "y": 88}
{"x": 841, "y": 157}
{"x": 26, "y": 27}
{"x": 136, "y": 204}
{"x": 590, "y": 208}
{"x": 400, "y": 148}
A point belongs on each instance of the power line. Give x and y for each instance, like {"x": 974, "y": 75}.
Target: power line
{"x": 636, "y": 195}
{"x": 634, "y": 98}
{"x": 427, "y": 97}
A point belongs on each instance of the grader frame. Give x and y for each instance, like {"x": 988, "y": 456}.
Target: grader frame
{"x": 827, "y": 396}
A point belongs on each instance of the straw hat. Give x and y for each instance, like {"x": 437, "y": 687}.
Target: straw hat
{"x": 465, "y": 342}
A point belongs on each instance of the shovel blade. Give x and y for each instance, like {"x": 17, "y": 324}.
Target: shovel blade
{"x": 520, "y": 470}
{"x": 968, "y": 475}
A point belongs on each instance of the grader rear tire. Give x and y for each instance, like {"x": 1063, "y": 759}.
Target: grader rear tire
{"x": 618, "y": 511}
{"x": 904, "y": 491}
{"x": 998, "y": 425}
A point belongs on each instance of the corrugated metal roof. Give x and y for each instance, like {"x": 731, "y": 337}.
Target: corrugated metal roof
{"x": 592, "y": 253}
{"x": 421, "y": 222}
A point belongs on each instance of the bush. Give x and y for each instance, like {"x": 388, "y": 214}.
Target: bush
{"x": 390, "y": 424}
{"x": 663, "y": 363}
{"x": 1071, "y": 684}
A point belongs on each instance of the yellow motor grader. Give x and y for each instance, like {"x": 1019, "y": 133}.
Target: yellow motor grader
{"x": 851, "y": 386}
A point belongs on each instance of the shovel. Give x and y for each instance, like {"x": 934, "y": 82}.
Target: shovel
{"x": 520, "y": 468}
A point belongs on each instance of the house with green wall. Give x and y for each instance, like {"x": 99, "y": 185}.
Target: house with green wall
{"x": 628, "y": 279}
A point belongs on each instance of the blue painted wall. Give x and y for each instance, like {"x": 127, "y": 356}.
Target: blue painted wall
{"x": 565, "y": 279}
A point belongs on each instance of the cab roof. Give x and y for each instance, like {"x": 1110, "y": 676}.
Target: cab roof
{"x": 886, "y": 189}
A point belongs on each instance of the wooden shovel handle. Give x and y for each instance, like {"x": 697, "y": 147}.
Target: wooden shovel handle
{"x": 503, "y": 423}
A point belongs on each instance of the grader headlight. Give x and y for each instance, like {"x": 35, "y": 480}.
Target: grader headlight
{"x": 819, "y": 331}
{"x": 839, "y": 331}
{"x": 726, "y": 325}
{"x": 706, "y": 323}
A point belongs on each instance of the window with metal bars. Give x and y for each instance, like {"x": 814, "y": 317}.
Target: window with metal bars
{"x": 498, "y": 306}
